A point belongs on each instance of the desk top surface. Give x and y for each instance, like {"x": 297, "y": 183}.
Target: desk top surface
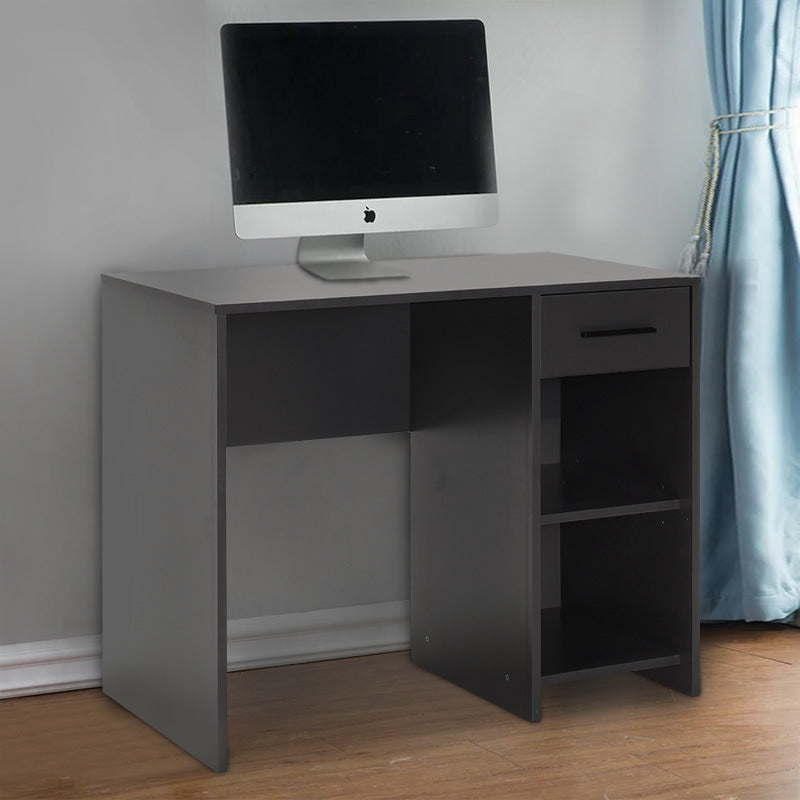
{"x": 284, "y": 287}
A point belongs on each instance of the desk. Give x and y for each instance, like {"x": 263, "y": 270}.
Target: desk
{"x": 552, "y": 409}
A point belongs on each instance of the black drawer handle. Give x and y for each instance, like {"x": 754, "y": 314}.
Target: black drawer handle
{"x": 618, "y": 332}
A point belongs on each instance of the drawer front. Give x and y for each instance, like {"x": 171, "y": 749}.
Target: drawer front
{"x": 594, "y": 332}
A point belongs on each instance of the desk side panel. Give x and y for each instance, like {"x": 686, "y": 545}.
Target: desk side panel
{"x": 163, "y": 548}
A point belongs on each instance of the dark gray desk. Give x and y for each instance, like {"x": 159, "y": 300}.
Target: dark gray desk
{"x": 551, "y": 403}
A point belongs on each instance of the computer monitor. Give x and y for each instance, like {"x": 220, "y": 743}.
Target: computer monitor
{"x": 337, "y": 129}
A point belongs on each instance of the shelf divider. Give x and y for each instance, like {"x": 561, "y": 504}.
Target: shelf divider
{"x": 573, "y": 493}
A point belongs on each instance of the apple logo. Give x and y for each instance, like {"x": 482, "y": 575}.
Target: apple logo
{"x": 369, "y": 215}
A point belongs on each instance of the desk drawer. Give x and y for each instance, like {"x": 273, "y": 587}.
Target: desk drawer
{"x": 594, "y": 332}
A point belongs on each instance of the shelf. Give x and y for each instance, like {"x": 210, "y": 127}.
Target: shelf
{"x": 574, "y": 493}
{"x": 577, "y": 645}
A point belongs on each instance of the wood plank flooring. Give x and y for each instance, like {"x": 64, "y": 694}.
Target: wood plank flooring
{"x": 378, "y": 727}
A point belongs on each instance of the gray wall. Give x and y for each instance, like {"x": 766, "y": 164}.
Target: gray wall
{"x": 112, "y": 156}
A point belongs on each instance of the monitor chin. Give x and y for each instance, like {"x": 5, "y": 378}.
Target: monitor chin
{"x": 367, "y": 215}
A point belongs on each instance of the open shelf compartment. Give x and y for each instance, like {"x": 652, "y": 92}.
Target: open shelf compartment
{"x": 577, "y": 645}
{"x": 616, "y": 595}
{"x": 615, "y": 444}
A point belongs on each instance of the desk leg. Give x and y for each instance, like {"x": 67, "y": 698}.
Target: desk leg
{"x": 163, "y": 522}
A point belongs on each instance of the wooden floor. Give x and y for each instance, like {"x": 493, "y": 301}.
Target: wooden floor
{"x": 378, "y": 727}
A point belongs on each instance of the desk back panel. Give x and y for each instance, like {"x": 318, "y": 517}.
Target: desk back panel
{"x": 318, "y": 374}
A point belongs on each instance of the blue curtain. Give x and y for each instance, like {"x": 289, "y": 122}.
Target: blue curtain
{"x": 750, "y": 336}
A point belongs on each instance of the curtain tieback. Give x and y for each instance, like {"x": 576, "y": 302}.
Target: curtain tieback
{"x": 692, "y": 260}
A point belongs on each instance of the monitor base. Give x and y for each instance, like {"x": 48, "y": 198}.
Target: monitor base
{"x": 341, "y": 258}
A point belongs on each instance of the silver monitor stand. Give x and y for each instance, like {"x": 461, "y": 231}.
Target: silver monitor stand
{"x": 341, "y": 258}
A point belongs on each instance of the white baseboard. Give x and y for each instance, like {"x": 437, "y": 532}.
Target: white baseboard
{"x": 58, "y": 665}
{"x": 318, "y": 635}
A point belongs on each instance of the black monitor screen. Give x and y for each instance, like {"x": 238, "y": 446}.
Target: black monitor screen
{"x": 346, "y": 110}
